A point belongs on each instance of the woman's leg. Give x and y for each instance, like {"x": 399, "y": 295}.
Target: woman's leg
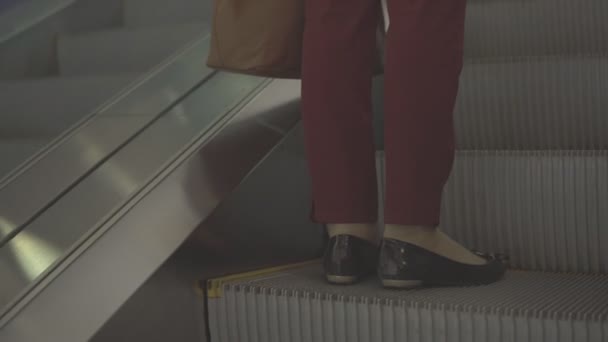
{"x": 424, "y": 56}
{"x": 339, "y": 55}
{"x": 424, "y": 59}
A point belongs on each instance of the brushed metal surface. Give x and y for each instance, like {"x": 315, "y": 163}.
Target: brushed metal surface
{"x": 32, "y": 52}
{"x": 167, "y": 83}
{"x": 28, "y": 195}
{"x": 264, "y": 221}
{"x": 28, "y": 255}
{"x": 157, "y": 13}
{"x": 45, "y": 108}
{"x": 108, "y": 266}
{"x": 120, "y": 50}
{"x": 25, "y": 192}
{"x": 28, "y": 14}
{"x": 16, "y": 151}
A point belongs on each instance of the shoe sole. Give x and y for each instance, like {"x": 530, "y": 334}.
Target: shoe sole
{"x": 341, "y": 280}
{"x": 401, "y": 284}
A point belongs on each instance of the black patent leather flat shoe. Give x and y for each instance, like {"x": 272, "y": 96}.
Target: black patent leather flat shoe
{"x": 404, "y": 265}
{"x": 348, "y": 259}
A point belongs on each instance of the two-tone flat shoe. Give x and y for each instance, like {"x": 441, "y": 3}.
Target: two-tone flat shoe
{"x": 404, "y": 265}
{"x": 348, "y": 259}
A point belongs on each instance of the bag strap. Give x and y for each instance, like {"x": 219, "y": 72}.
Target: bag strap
{"x": 385, "y": 18}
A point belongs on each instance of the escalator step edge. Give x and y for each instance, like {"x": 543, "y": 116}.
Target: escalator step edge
{"x": 294, "y": 303}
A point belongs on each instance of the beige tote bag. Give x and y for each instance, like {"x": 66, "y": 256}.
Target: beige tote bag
{"x": 263, "y": 37}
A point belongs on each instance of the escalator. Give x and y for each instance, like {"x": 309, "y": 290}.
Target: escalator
{"x": 161, "y": 134}
{"x": 164, "y": 201}
{"x": 530, "y": 181}
{"x": 76, "y": 60}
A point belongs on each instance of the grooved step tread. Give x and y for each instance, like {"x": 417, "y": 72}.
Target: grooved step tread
{"x": 533, "y": 294}
{"x": 535, "y": 27}
{"x": 298, "y": 305}
{"x": 545, "y": 209}
{"x": 533, "y": 103}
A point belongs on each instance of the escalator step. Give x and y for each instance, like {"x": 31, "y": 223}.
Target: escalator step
{"x": 528, "y": 103}
{"x": 535, "y": 27}
{"x": 533, "y": 103}
{"x": 298, "y": 305}
{"x": 545, "y": 209}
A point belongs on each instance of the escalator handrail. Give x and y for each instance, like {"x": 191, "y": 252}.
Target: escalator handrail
{"x": 187, "y": 57}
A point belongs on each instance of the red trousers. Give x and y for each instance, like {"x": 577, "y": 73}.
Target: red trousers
{"x": 424, "y": 56}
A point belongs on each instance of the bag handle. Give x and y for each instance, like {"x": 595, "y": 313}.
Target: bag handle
{"x": 385, "y": 18}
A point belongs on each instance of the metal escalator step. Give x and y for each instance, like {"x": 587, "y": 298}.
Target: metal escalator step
{"x": 536, "y": 27}
{"x": 548, "y": 210}
{"x": 534, "y": 103}
{"x": 297, "y": 305}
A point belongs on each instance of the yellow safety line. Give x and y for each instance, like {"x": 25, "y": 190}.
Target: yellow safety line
{"x": 215, "y": 286}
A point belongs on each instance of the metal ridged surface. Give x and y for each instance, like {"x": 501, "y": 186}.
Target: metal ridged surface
{"x": 299, "y": 306}
{"x": 534, "y": 103}
{"x": 536, "y": 27}
{"x": 548, "y": 210}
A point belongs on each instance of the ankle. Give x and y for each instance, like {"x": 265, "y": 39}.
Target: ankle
{"x": 366, "y": 231}
{"x": 434, "y": 240}
{"x": 399, "y": 232}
